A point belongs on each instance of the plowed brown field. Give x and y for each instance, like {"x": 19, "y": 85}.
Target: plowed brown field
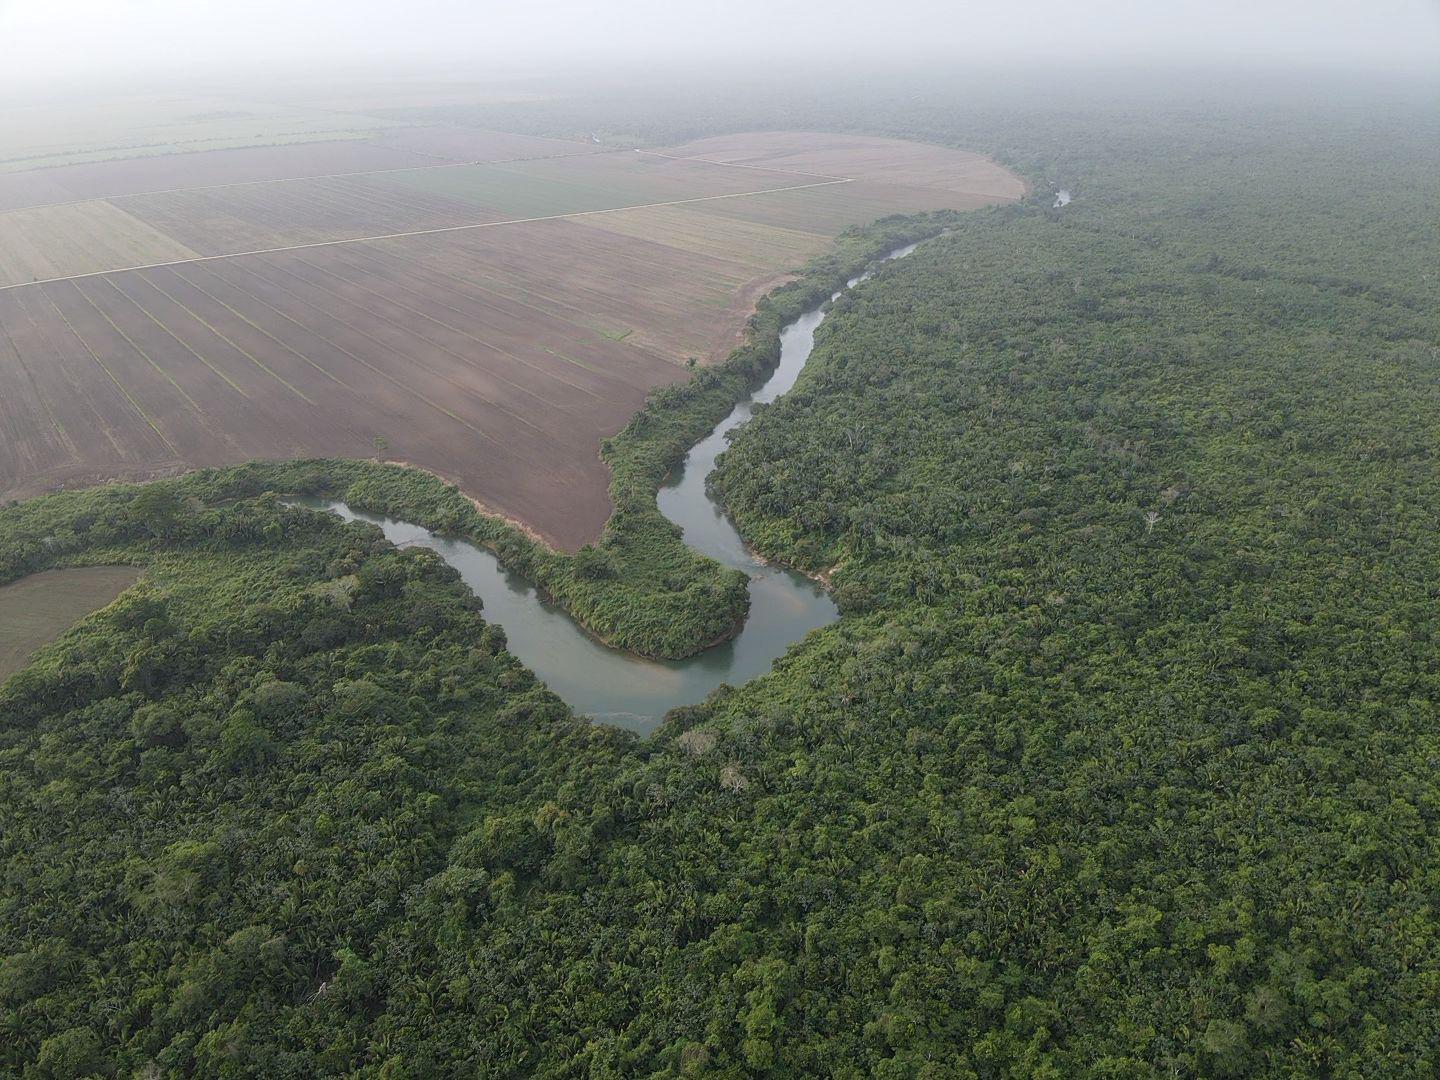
{"x": 412, "y": 315}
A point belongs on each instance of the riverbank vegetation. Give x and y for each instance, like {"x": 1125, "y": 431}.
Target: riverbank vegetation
{"x": 1121, "y": 762}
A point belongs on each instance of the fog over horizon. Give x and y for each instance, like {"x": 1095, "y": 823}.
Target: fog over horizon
{"x": 55, "y": 47}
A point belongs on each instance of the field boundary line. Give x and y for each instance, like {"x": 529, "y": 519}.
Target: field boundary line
{"x": 422, "y": 232}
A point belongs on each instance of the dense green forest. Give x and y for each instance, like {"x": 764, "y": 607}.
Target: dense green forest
{"x": 1121, "y": 763}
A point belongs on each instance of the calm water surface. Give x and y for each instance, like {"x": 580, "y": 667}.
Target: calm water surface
{"x": 617, "y": 687}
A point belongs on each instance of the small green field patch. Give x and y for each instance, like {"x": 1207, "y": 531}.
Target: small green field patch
{"x": 35, "y": 610}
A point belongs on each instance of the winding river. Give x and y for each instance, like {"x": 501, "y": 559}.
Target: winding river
{"x": 617, "y": 687}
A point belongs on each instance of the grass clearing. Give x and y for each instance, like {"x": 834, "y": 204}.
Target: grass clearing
{"x": 35, "y": 610}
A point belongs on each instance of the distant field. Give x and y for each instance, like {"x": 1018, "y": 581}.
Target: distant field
{"x": 670, "y": 301}
{"x": 249, "y": 217}
{"x": 400, "y": 148}
{"x": 467, "y": 144}
{"x": 42, "y": 136}
{"x": 830, "y": 210}
{"x": 409, "y": 312}
{"x": 863, "y": 157}
{"x": 174, "y": 172}
{"x": 736, "y": 239}
{"x": 543, "y": 187}
{"x": 37, "y": 609}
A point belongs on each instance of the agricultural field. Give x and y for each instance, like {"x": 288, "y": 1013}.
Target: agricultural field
{"x": 646, "y": 293}
{"x": 457, "y": 144}
{"x": 345, "y": 351}
{"x": 403, "y": 148}
{"x": 187, "y": 171}
{"x": 251, "y": 217}
{"x": 486, "y": 306}
{"x": 37, "y": 609}
{"x": 79, "y": 238}
{"x": 861, "y": 157}
{"x": 41, "y": 135}
{"x": 835, "y": 208}
{"x": 548, "y": 186}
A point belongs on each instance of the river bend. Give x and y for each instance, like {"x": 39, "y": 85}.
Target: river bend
{"x": 617, "y": 687}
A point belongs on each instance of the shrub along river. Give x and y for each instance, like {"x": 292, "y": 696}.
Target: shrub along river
{"x": 617, "y": 687}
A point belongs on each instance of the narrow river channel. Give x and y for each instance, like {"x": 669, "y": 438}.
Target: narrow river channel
{"x": 616, "y": 687}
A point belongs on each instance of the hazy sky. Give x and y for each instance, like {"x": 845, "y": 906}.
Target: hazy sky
{"x": 49, "y": 42}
